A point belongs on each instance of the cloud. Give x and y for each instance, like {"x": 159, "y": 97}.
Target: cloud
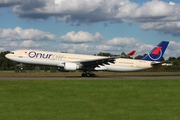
{"x": 118, "y": 45}
{"x": 113, "y": 46}
{"x": 25, "y": 34}
{"x": 160, "y": 16}
{"x": 173, "y": 50}
{"x": 153, "y": 11}
{"x": 81, "y": 37}
{"x": 172, "y": 28}
{"x": 31, "y": 44}
{"x": 91, "y": 11}
{"x": 82, "y": 11}
{"x": 28, "y": 44}
{"x": 123, "y": 41}
{"x": 8, "y": 3}
{"x": 77, "y": 42}
{"x": 8, "y": 44}
{"x": 73, "y": 48}
{"x": 77, "y": 12}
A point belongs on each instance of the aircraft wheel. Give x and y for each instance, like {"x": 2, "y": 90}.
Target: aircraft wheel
{"x": 88, "y": 75}
{"x": 93, "y": 75}
{"x": 83, "y": 75}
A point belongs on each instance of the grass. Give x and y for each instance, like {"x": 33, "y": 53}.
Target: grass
{"x": 90, "y": 100}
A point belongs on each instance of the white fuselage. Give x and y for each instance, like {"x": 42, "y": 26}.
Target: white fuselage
{"x": 59, "y": 59}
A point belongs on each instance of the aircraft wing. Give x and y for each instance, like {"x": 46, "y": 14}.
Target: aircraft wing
{"x": 101, "y": 61}
{"x": 96, "y": 62}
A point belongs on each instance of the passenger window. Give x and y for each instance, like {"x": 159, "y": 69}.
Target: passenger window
{"x": 12, "y": 52}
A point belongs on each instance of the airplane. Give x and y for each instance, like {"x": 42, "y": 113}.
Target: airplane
{"x": 89, "y": 63}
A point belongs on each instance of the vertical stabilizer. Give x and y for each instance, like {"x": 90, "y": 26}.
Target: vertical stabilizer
{"x": 157, "y": 52}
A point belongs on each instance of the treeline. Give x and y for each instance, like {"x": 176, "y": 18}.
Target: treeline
{"x": 6, "y": 64}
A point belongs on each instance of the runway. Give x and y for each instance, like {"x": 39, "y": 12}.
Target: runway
{"x": 124, "y": 77}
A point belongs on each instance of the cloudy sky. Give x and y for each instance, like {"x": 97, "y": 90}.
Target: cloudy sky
{"x": 90, "y": 26}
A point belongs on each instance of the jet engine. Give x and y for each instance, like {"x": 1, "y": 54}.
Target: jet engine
{"x": 70, "y": 66}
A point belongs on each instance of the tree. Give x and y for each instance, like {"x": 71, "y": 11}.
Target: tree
{"x": 6, "y": 64}
{"x": 171, "y": 59}
{"x": 104, "y": 54}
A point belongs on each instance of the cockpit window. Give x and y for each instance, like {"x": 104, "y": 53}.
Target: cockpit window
{"x": 11, "y": 52}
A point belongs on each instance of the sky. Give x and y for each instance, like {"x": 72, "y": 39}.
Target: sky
{"x": 90, "y": 26}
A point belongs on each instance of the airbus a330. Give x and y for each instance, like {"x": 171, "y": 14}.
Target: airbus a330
{"x": 89, "y": 63}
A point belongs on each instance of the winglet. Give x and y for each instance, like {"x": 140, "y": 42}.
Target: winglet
{"x": 157, "y": 52}
{"x": 131, "y": 53}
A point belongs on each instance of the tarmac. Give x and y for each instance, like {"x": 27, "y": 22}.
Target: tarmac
{"x": 124, "y": 77}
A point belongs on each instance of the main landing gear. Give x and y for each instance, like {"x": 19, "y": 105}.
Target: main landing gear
{"x": 88, "y": 74}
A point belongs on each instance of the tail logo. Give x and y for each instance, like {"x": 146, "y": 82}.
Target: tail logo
{"x": 156, "y": 53}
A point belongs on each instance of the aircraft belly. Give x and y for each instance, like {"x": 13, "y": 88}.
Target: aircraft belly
{"x": 37, "y": 61}
{"x": 122, "y": 68}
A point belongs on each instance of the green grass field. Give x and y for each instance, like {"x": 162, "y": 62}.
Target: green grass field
{"x": 90, "y": 100}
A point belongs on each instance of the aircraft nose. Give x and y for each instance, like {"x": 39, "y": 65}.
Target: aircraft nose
{"x": 7, "y": 55}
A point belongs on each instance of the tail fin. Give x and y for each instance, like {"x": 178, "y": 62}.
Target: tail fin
{"x": 157, "y": 52}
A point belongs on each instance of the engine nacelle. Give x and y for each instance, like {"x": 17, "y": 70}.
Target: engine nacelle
{"x": 70, "y": 66}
